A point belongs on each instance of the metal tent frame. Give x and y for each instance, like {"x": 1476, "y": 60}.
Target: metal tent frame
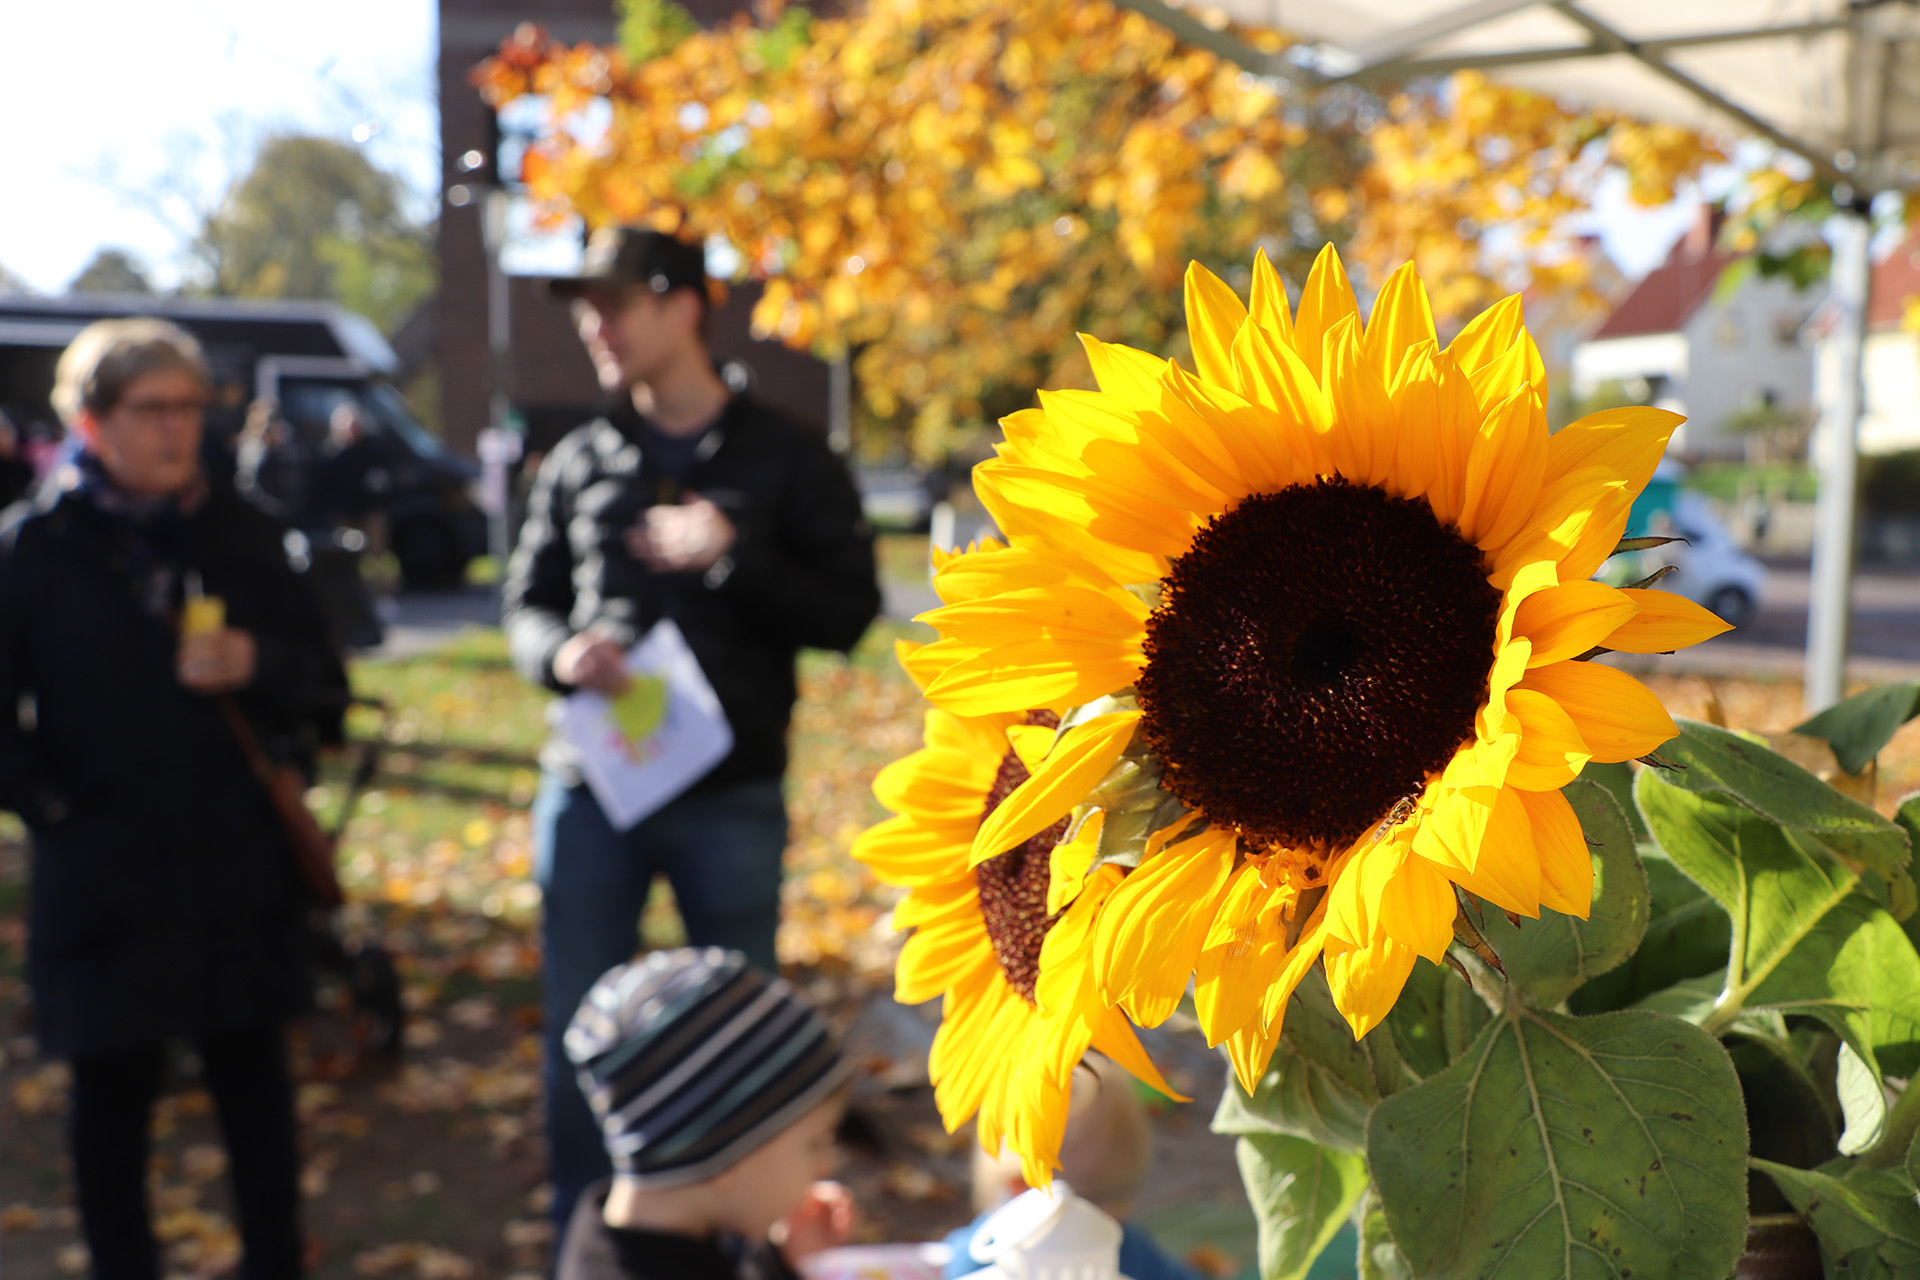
{"x": 1862, "y": 133}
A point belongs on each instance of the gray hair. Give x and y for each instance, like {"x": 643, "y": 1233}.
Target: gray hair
{"x": 97, "y": 367}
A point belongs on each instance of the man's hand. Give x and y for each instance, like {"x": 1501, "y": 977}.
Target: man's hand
{"x": 591, "y": 661}
{"x": 823, "y": 1221}
{"x": 217, "y": 661}
{"x": 681, "y": 539}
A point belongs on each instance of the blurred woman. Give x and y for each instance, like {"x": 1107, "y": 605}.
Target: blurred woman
{"x": 165, "y": 901}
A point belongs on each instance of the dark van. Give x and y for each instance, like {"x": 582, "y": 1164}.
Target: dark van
{"x": 309, "y": 357}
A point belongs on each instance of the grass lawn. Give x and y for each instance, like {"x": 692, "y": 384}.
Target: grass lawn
{"x": 431, "y": 1166}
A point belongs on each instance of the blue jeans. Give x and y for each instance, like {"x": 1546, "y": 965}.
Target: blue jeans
{"x": 720, "y": 849}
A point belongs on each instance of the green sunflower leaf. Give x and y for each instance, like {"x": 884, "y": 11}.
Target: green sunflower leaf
{"x": 1688, "y": 935}
{"x": 1809, "y": 938}
{"x": 1863, "y": 1216}
{"x": 1548, "y": 958}
{"x": 1380, "y": 1258}
{"x": 1301, "y": 1193}
{"x": 1321, "y": 1084}
{"x": 1559, "y": 1146}
{"x": 1436, "y": 1017}
{"x": 1858, "y": 727}
{"x": 1718, "y": 763}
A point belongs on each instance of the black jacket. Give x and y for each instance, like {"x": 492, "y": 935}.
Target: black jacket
{"x": 592, "y": 1250}
{"x": 164, "y": 898}
{"x": 800, "y": 572}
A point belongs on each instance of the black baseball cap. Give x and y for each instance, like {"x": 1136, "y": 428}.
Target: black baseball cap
{"x": 617, "y": 257}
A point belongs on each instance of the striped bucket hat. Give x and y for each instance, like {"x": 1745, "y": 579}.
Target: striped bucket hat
{"x": 692, "y": 1059}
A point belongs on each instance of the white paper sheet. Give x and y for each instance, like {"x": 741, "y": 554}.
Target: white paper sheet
{"x": 658, "y": 739}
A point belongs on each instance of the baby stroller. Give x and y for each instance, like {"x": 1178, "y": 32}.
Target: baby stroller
{"x": 363, "y": 969}
{"x": 359, "y": 975}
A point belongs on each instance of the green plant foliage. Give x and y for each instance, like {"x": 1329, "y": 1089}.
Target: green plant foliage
{"x": 1321, "y": 1084}
{"x": 1559, "y": 1146}
{"x": 1548, "y": 958}
{"x": 1434, "y": 1020}
{"x": 1862, "y": 1216}
{"x": 1301, "y": 1192}
{"x": 1858, "y": 727}
{"x": 1380, "y": 1258}
{"x": 1618, "y": 779}
{"x": 1687, "y": 936}
{"x": 1807, "y": 938}
{"x": 1715, "y": 762}
{"x": 652, "y": 28}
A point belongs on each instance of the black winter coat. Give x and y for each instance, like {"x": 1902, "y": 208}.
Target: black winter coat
{"x": 164, "y": 897}
{"x": 800, "y": 572}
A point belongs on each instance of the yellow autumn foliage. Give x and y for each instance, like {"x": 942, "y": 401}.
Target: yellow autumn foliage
{"x": 949, "y": 190}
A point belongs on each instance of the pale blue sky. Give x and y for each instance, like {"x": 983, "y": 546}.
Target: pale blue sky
{"x": 110, "y": 103}
{"x": 115, "y": 105}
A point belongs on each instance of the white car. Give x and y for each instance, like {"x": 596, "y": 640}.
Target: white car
{"x": 1712, "y": 571}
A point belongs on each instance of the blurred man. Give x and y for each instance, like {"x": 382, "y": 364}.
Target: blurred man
{"x": 684, "y": 502}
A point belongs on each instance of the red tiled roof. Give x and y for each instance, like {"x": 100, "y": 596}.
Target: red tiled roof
{"x": 1895, "y": 279}
{"x": 1669, "y": 294}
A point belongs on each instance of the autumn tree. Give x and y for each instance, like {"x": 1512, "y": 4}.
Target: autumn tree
{"x": 111, "y": 270}
{"x": 314, "y": 218}
{"x": 948, "y": 190}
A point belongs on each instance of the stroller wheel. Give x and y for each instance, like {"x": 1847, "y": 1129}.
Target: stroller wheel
{"x": 377, "y": 1007}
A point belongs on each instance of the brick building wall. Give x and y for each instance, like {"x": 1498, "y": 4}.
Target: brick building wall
{"x": 549, "y": 379}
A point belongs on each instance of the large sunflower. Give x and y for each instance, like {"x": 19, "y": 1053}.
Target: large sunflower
{"x": 1007, "y": 941}
{"x": 1336, "y": 589}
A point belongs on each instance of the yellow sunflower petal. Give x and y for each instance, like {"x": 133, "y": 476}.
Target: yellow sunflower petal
{"x": 1365, "y": 981}
{"x": 1504, "y": 468}
{"x": 1552, "y": 752}
{"x": 1249, "y": 1050}
{"x": 1488, "y": 335}
{"x": 1456, "y": 425}
{"x": 1566, "y": 867}
{"x": 1069, "y": 867}
{"x": 1628, "y": 442}
{"x": 1507, "y": 872}
{"x": 1244, "y": 939}
{"x": 1153, "y": 926}
{"x": 1664, "y": 623}
{"x": 1269, "y": 306}
{"x": 1066, "y": 530}
{"x": 1365, "y": 442}
{"x": 1034, "y": 673}
{"x": 935, "y": 961}
{"x": 905, "y": 851}
{"x": 1257, "y": 436}
{"x": 1415, "y": 391}
{"x": 1618, "y": 717}
{"x": 1324, "y": 302}
{"x": 1121, "y": 370}
{"x": 968, "y": 1058}
{"x": 1414, "y": 902}
{"x": 1402, "y": 319}
{"x": 1566, "y": 620}
{"x": 1062, "y": 781}
{"x": 1030, "y": 742}
{"x": 1214, "y": 315}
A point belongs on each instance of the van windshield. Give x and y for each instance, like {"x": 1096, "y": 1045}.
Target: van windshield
{"x": 309, "y": 405}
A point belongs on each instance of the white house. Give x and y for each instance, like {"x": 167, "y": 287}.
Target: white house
{"x": 1674, "y": 343}
{"x": 1891, "y": 373}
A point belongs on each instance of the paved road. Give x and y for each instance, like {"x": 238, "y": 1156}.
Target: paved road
{"x": 418, "y": 622}
{"x": 1886, "y": 627}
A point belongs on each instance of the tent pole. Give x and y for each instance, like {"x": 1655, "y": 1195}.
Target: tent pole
{"x": 1830, "y": 601}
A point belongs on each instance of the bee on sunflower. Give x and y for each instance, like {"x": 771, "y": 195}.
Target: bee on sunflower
{"x": 1333, "y": 592}
{"x": 1007, "y": 940}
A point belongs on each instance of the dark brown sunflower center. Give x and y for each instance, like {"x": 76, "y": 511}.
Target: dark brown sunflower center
{"x": 1013, "y": 885}
{"x": 1316, "y": 654}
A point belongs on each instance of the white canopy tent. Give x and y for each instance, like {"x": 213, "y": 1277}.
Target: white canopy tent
{"x": 1836, "y": 82}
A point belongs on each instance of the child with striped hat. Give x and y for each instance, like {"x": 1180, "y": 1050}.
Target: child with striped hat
{"x": 718, "y": 1091}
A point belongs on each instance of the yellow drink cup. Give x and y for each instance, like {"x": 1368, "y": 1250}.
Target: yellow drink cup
{"x": 204, "y": 615}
